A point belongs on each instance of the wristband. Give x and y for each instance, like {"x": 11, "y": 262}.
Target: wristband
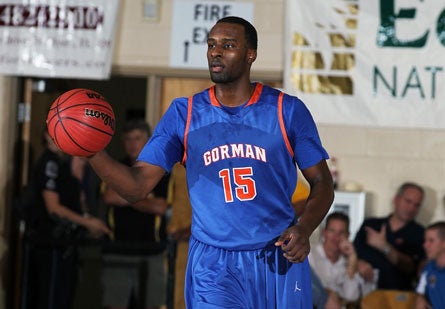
{"x": 387, "y": 249}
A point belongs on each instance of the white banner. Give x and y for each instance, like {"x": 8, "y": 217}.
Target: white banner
{"x": 64, "y": 39}
{"x": 368, "y": 63}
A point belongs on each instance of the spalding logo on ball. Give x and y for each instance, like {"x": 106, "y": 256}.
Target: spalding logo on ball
{"x": 81, "y": 122}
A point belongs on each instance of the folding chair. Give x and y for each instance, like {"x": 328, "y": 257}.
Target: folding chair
{"x": 388, "y": 299}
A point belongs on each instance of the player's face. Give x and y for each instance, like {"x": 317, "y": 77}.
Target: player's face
{"x": 407, "y": 205}
{"x": 334, "y": 233}
{"x": 134, "y": 141}
{"x": 227, "y": 53}
{"x": 432, "y": 244}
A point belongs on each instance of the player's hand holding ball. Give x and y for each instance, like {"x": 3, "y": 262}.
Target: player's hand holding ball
{"x": 81, "y": 122}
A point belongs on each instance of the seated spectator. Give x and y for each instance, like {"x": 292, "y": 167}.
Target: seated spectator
{"x": 335, "y": 261}
{"x": 431, "y": 286}
{"x": 393, "y": 244}
{"x": 322, "y": 298}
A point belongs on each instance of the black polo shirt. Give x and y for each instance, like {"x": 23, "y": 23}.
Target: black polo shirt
{"x": 408, "y": 240}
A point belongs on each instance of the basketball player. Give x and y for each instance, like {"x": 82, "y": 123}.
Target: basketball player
{"x": 239, "y": 142}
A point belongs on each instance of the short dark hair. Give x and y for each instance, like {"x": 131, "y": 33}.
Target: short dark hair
{"x": 409, "y": 185}
{"x": 249, "y": 30}
{"x": 338, "y": 216}
{"x": 439, "y": 226}
{"x": 136, "y": 124}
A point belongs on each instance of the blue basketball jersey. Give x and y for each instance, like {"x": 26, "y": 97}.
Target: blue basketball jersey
{"x": 240, "y": 162}
{"x": 431, "y": 284}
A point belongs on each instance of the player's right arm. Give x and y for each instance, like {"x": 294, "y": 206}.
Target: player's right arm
{"x": 164, "y": 149}
{"x": 132, "y": 183}
{"x": 152, "y": 204}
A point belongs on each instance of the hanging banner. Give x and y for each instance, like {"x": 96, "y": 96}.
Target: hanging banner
{"x": 368, "y": 63}
{"x": 63, "y": 39}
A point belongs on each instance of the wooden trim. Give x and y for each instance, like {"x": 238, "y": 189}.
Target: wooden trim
{"x": 153, "y": 101}
{"x": 26, "y": 131}
{"x": 187, "y": 73}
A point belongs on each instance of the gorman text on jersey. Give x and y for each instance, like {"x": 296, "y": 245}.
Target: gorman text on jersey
{"x": 234, "y": 151}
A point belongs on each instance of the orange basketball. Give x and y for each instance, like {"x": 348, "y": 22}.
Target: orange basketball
{"x": 81, "y": 122}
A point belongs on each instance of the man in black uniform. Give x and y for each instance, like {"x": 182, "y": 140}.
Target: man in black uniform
{"x": 58, "y": 216}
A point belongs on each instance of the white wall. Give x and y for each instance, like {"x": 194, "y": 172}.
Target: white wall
{"x": 142, "y": 43}
{"x": 382, "y": 158}
{"x": 377, "y": 158}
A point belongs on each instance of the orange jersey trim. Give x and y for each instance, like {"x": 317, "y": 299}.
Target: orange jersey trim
{"x": 187, "y": 125}
{"x": 253, "y": 98}
{"x": 256, "y": 94}
{"x": 282, "y": 127}
{"x": 213, "y": 99}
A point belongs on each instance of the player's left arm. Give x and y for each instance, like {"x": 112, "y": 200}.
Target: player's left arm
{"x": 295, "y": 240}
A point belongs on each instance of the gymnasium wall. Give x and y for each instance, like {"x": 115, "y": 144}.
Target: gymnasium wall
{"x": 141, "y": 43}
{"x": 378, "y": 159}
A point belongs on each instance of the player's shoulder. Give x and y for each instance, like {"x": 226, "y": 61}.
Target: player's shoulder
{"x": 51, "y": 168}
{"x": 267, "y": 91}
{"x": 417, "y": 227}
{"x": 429, "y": 267}
{"x": 293, "y": 105}
{"x": 269, "y": 95}
{"x": 179, "y": 101}
{"x": 293, "y": 99}
{"x": 178, "y": 106}
{"x": 289, "y": 100}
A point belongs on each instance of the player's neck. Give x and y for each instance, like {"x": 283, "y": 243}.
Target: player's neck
{"x": 440, "y": 261}
{"x": 234, "y": 94}
{"x": 396, "y": 223}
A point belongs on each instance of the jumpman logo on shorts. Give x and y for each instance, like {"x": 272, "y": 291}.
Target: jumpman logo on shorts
{"x": 296, "y": 287}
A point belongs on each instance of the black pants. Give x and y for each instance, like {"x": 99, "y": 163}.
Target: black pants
{"x": 50, "y": 277}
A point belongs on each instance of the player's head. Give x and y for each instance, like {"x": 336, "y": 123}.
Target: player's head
{"x": 434, "y": 243}
{"x": 336, "y": 230}
{"x": 250, "y": 32}
{"x": 339, "y": 216}
{"x": 135, "y": 134}
{"x": 48, "y": 142}
{"x": 231, "y": 50}
{"x": 407, "y": 201}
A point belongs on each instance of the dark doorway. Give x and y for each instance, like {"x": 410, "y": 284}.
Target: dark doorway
{"x": 128, "y": 97}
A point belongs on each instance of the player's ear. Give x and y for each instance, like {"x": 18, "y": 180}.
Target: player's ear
{"x": 251, "y": 56}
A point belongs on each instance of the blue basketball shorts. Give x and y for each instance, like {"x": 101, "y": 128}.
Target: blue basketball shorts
{"x": 256, "y": 279}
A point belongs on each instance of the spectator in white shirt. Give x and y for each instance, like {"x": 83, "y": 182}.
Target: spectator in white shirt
{"x": 335, "y": 261}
